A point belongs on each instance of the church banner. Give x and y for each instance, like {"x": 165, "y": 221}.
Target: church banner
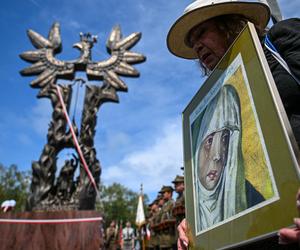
{"x": 240, "y": 156}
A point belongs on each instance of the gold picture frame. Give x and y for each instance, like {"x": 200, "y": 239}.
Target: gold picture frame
{"x": 241, "y": 159}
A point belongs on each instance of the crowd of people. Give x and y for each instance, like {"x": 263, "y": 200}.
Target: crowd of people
{"x": 163, "y": 216}
{"x": 126, "y": 238}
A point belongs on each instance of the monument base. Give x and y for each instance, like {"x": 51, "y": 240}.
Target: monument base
{"x": 77, "y": 235}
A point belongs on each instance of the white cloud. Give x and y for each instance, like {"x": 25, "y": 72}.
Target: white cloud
{"x": 154, "y": 166}
{"x": 289, "y": 8}
{"x": 117, "y": 140}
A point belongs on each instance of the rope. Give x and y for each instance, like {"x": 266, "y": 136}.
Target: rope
{"x": 76, "y": 141}
{"x": 50, "y": 221}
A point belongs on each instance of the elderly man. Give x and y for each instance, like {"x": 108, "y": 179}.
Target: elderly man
{"x": 207, "y": 28}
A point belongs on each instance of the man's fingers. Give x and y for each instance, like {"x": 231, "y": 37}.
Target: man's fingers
{"x": 298, "y": 199}
{"x": 182, "y": 232}
{"x": 297, "y": 222}
{"x": 289, "y": 235}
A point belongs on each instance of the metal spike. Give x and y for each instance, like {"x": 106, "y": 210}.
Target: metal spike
{"x": 129, "y": 41}
{"x": 34, "y": 69}
{"x": 44, "y": 92}
{"x": 32, "y": 56}
{"x": 108, "y": 63}
{"x": 114, "y": 37}
{"x": 114, "y": 77}
{"x": 54, "y": 35}
{"x": 38, "y": 40}
{"x": 133, "y": 57}
{"x": 126, "y": 69}
{"x": 92, "y": 72}
{"x": 42, "y": 77}
{"x": 97, "y": 68}
{"x": 111, "y": 82}
{"x": 44, "y": 82}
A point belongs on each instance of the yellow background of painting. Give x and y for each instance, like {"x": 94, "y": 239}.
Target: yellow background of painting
{"x": 256, "y": 170}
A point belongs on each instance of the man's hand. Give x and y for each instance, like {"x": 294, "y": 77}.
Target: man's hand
{"x": 298, "y": 200}
{"x": 183, "y": 241}
{"x": 291, "y": 235}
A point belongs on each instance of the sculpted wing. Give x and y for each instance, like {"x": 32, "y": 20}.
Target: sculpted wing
{"x": 44, "y": 64}
{"x": 119, "y": 64}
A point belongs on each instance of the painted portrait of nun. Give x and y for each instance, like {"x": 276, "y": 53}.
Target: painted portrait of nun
{"x": 220, "y": 186}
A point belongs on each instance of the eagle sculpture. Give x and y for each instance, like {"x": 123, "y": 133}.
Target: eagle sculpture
{"x": 65, "y": 193}
{"x": 49, "y": 69}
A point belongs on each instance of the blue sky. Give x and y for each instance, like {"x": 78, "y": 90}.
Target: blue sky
{"x": 138, "y": 140}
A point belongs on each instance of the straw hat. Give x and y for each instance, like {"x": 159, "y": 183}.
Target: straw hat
{"x": 178, "y": 179}
{"x": 202, "y": 10}
{"x": 166, "y": 189}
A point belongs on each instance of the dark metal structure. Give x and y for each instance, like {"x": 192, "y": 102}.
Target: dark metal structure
{"x": 64, "y": 193}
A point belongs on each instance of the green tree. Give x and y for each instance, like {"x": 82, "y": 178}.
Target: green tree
{"x": 14, "y": 185}
{"x": 118, "y": 203}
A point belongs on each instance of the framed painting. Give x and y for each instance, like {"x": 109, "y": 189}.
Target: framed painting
{"x": 241, "y": 160}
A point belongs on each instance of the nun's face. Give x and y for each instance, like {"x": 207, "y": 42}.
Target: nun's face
{"x": 212, "y": 158}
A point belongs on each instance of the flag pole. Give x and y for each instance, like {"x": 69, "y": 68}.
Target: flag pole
{"x": 140, "y": 216}
{"x": 143, "y": 238}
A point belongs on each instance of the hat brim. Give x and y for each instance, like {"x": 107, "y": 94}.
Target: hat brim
{"x": 177, "y": 181}
{"x": 258, "y": 13}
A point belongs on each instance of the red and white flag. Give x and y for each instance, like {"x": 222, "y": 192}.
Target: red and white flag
{"x": 148, "y": 233}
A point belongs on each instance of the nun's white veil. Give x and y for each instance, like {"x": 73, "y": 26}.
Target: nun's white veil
{"x": 228, "y": 197}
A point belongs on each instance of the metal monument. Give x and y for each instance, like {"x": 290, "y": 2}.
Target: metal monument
{"x": 64, "y": 193}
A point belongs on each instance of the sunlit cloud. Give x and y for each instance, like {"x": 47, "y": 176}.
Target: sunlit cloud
{"x": 154, "y": 166}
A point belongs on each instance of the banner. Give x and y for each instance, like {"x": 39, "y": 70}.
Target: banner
{"x": 140, "y": 215}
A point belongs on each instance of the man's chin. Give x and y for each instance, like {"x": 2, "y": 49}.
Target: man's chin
{"x": 210, "y": 62}
{"x": 211, "y": 65}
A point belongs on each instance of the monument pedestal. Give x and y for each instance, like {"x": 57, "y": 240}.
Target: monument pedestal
{"x": 75, "y": 236}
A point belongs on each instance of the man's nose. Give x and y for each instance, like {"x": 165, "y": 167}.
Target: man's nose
{"x": 198, "y": 46}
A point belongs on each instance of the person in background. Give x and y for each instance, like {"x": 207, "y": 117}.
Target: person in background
{"x": 111, "y": 236}
{"x": 154, "y": 240}
{"x": 180, "y": 201}
{"x": 179, "y": 207}
{"x": 167, "y": 236}
{"x": 128, "y": 237}
{"x": 8, "y": 205}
